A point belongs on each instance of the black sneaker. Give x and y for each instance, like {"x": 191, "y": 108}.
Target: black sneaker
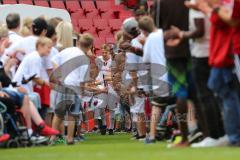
{"x": 195, "y": 137}
{"x": 141, "y": 138}
{"x": 128, "y": 130}
{"x": 117, "y": 130}
{"x": 103, "y": 130}
{"x": 95, "y": 129}
{"x": 110, "y": 132}
{"x": 135, "y": 135}
{"x": 71, "y": 143}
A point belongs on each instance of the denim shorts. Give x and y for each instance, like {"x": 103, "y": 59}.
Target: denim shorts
{"x": 68, "y": 103}
{"x": 16, "y": 97}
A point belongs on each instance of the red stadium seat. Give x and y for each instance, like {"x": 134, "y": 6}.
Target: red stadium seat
{"x": 88, "y": 7}
{"x": 72, "y": 6}
{"x": 78, "y": 14}
{"x": 85, "y": 25}
{"x": 57, "y": 4}
{"x": 92, "y": 15}
{"x": 75, "y": 25}
{"x": 9, "y": 2}
{"x": 115, "y": 25}
{"x": 117, "y": 9}
{"x": 26, "y": 2}
{"x": 98, "y": 42}
{"x": 109, "y": 15}
{"x": 103, "y": 6}
{"x": 125, "y": 14}
{"x": 92, "y": 31}
{"x": 100, "y": 24}
{"x": 42, "y": 3}
{"x": 102, "y": 28}
{"x": 105, "y": 33}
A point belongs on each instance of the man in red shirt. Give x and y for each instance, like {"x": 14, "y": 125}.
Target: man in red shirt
{"x": 236, "y": 38}
{"x": 224, "y": 41}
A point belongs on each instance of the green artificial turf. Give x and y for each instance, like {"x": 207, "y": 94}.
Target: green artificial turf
{"x": 117, "y": 147}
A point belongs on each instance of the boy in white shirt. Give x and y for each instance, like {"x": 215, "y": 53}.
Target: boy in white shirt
{"x": 13, "y": 24}
{"x": 29, "y": 70}
{"x": 73, "y": 67}
{"x": 28, "y": 44}
{"x": 155, "y": 55}
{"x": 105, "y": 64}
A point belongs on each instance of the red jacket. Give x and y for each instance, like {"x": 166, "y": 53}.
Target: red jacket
{"x": 220, "y": 43}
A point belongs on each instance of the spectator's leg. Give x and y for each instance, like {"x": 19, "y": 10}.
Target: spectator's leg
{"x": 155, "y": 116}
{"x": 141, "y": 126}
{"x": 221, "y": 81}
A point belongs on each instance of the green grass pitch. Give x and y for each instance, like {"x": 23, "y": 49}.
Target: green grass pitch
{"x": 117, "y": 147}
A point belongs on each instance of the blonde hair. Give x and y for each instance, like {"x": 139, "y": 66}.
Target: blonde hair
{"x": 26, "y": 29}
{"x": 86, "y": 40}
{"x": 54, "y": 21}
{"x": 105, "y": 47}
{"x": 64, "y": 32}
{"x": 42, "y": 41}
{"x": 146, "y": 23}
{"x": 3, "y": 31}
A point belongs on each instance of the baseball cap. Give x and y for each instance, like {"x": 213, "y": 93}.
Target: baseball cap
{"x": 130, "y": 26}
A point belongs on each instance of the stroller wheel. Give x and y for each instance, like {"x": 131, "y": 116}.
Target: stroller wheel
{"x": 13, "y": 143}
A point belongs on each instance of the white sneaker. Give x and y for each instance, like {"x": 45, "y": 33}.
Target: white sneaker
{"x": 221, "y": 142}
{"x": 206, "y": 142}
{"x": 38, "y": 139}
{"x": 210, "y": 142}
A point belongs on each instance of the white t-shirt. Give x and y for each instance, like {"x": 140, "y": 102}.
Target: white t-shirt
{"x": 154, "y": 54}
{"x": 132, "y": 58}
{"x": 70, "y": 56}
{"x": 31, "y": 65}
{"x": 54, "y": 53}
{"x": 28, "y": 45}
{"x": 14, "y": 37}
{"x": 104, "y": 68}
{"x": 199, "y": 46}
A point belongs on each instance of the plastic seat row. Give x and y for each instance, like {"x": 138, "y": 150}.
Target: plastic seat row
{"x": 97, "y": 26}
{"x": 71, "y": 5}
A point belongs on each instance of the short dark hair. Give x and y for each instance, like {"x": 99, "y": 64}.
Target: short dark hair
{"x": 38, "y": 26}
{"x": 13, "y": 20}
{"x": 50, "y": 31}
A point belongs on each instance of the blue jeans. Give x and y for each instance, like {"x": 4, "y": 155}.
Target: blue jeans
{"x": 221, "y": 81}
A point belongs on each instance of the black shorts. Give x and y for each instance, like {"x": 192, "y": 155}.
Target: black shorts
{"x": 163, "y": 101}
